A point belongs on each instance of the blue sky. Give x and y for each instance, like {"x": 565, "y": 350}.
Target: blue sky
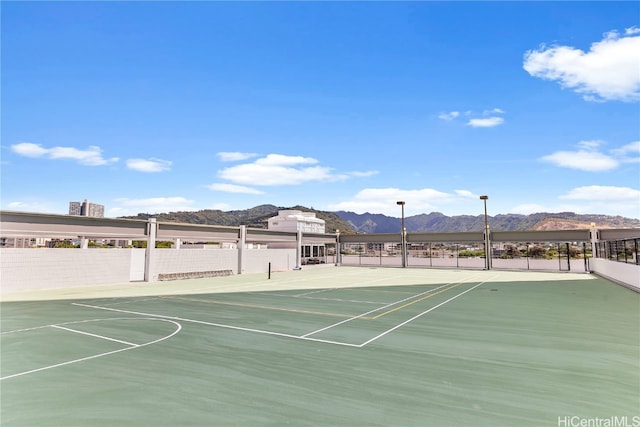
{"x": 169, "y": 106}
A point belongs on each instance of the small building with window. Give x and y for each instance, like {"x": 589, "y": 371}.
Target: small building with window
{"x": 293, "y": 220}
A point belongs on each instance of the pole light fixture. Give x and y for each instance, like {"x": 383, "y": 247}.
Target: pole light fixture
{"x": 403, "y": 236}
{"x": 487, "y": 244}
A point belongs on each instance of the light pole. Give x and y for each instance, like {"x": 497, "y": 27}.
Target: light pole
{"x": 403, "y": 237}
{"x": 487, "y": 247}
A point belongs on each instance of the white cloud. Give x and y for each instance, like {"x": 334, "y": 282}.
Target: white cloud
{"x": 530, "y": 208}
{"x": 281, "y": 159}
{"x": 29, "y": 149}
{"x": 267, "y": 175}
{"x": 480, "y": 122}
{"x": 383, "y": 200}
{"x": 278, "y": 169}
{"x": 152, "y": 205}
{"x": 608, "y": 71}
{"x": 591, "y": 199}
{"x": 149, "y": 165}
{"x": 589, "y": 158}
{"x": 493, "y": 111}
{"x": 488, "y": 122}
{"x": 594, "y": 199}
{"x": 604, "y": 193}
{"x": 629, "y": 153}
{"x": 92, "y": 156}
{"x": 624, "y": 201}
{"x": 29, "y": 207}
{"x": 590, "y": 161}
{"x": 363, "y": 174}
{"x": 466, "y": 194}
{"x": 590, "y": 145}
{"x": 232, "y": 188}
{"x": 234, "y": 156}
{"x": 448, "y": 116}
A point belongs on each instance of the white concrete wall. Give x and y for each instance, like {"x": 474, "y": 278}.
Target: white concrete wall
{"x": 165, "y": 261}
{"x": 257, "y": 260}
{"x": 31, "y": 269}
{"x": 628, "y": 274}
{"x": 43, "y": 268}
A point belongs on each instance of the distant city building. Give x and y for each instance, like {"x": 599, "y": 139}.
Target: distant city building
{"x": 295, "y": 220}
{"x": 306, "y": 222}
{"x": 86, "y": 209}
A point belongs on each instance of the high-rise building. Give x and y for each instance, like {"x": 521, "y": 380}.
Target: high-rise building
{"x": 86, "y": 209}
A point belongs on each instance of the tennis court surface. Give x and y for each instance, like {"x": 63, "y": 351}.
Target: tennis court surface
{"x": 328, "y": 346}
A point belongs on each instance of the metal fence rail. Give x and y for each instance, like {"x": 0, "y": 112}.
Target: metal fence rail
{"x": 536, "y": 255}
{"x": 625, "y": 250}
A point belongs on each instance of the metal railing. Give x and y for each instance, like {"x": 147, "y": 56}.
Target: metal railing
{"x": 625, "y": 250}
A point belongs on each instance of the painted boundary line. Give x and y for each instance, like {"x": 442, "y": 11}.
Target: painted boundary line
{"x": 305, "y": 296}
{"x": 202, "y": 322}
{"x": 306, "y": 337}
{"x": 364, "y": 315}
{"x": 95, "y": 356}
{"x": 348, "y": 317}
{"x": 95, "y": 336}
{"x": 421, "y": 314}
{"x": 262, "y": 307}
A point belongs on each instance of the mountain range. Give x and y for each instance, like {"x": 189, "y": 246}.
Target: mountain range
{"x": 351, "y": 223}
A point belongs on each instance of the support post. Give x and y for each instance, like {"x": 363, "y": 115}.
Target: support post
{"x": 593, "y": 234}
{"x": 152, "y": 232}
{"x": 487, "y": 240}
{"x": 337, "y": 255}
{"x": 403, "y": 236}
{"x": 241, "y": 244}
{"x": 298, "y": 250}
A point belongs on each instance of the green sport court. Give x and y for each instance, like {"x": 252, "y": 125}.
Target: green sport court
{"x": 328, "y": 346}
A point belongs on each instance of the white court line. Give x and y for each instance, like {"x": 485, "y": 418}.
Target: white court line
{"x": 94, "y": 335}
{"x": 314, "y": 292}
{"x": 306, "y": 336}
{"x": 344, "y": 300}
{"x": 69, "y": 362}
{"x": 232, "y": 286}
{"x": 220, "y": 325}
{"x": 130, "y": 301}
{"x": 317, "y": 298}
{"x": 423, "y": 313}
{"x": 376, "y": 309}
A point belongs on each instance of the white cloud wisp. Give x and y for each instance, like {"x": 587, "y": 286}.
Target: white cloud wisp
{"x": 149, "y": 165}
{"x": 588, "y": 157}
{"x": 279, "y": 169}
{"x": 383, "y": 200}
{"x": 92, "y": 156}
{"x": 234, "y": 156}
